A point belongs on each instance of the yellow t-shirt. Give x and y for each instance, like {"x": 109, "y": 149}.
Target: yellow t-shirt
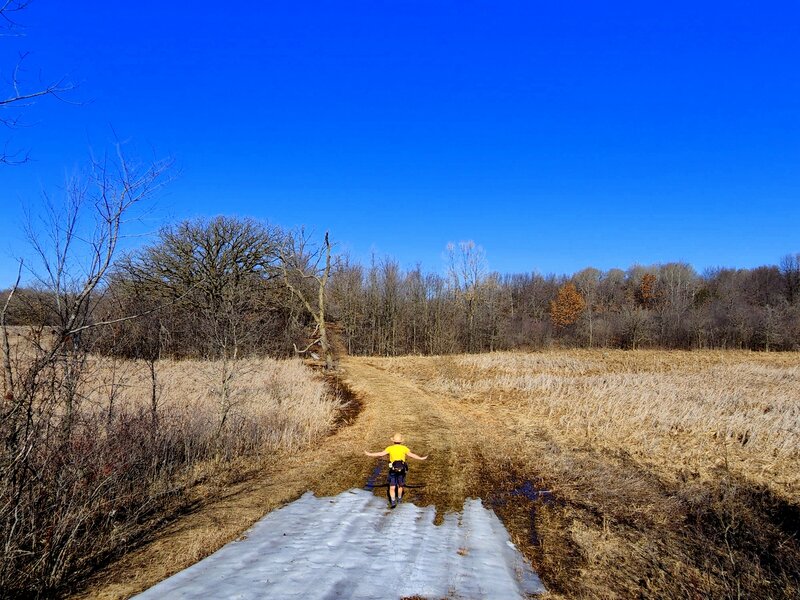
{"x": 397, "y": 452}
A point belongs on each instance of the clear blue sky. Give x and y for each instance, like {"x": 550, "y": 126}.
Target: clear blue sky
{"x": 555, "y": 135}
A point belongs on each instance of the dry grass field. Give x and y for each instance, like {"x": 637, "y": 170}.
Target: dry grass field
{"x": 637, "y": 474}
{"x": 267, "y": 404}
{"x": 677, "y": 412}
{"x": 115, "y": 449}
{"x": 641, "y": 474}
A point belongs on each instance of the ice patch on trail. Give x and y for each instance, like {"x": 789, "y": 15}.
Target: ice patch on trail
{"x": 352, "y": 546}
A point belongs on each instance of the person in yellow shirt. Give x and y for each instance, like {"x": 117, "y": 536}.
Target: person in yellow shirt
{"x": 398, "y": 467}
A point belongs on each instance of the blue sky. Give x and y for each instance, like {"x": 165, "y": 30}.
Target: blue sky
{"x": 555, "y": 135}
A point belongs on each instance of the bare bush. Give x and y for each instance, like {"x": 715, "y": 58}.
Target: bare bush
{"x": 43, "y": 424}
{"x": 131, "y": 450}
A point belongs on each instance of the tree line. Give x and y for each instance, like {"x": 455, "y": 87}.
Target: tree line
{"x": 385, "y": 310}
{"x": 229, "y": 287}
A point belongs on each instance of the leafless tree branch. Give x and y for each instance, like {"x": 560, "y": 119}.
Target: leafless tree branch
{"x": 297, "y": 262}
{"x": 18, "y": 97}
{"x": 8, "y": 380}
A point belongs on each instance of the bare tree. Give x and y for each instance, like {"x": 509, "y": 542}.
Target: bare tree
{"x": 347, "y": 295}
{"x": 305, "y": 272}
{"x": 678, "y": 283}
{"x": 40, "y": 407}
{"x": 215, "y": 271}
{"x": 790, "y": 270}
{"x": 417, "y": 311}
{"x": 467, "y": 269}
{"x": 587, "y": 282}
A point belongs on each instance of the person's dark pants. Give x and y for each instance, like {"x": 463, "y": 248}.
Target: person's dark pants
{"x": 397, "y": 479}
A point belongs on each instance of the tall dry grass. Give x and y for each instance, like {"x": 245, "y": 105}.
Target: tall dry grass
{"x": 676, "y": 411}
{"x": 669, "y": 474}
{"x": 126, "y": 452}
{"x": 270, "y": 404}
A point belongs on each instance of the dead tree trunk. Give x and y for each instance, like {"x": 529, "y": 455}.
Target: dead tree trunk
{"x": 299, "y": 268}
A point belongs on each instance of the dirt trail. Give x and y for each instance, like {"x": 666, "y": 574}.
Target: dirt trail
{"x": 393, "y": 403}
{"x": 389, "y": 403}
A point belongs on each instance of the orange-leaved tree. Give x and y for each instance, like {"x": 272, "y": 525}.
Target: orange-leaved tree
{"x": 647, "y": 294}
{"x": 567, "y": 307}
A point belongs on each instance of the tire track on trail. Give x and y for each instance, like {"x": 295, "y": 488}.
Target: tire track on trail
{"x": 432, "y": 424}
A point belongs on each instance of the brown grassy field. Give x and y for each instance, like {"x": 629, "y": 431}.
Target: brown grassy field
{"x": 268, "y": 404}
{"x": 121, "y": 447}
{"x": 666, "y": 474}
{"x": 639, "y": 474}
{"x": 677, "y": 412}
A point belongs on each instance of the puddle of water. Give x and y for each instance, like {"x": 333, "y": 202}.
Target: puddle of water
{"x": 530, "y": 491}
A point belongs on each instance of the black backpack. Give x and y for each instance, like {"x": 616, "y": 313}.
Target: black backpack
{"x": 398, "y": 466}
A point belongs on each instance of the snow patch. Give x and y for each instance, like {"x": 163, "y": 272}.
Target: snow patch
{"x": 352, "y": 546}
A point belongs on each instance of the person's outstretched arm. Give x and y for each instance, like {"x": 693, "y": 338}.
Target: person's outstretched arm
{"x": 412, "y": 455}
{"x": 376, "y": 454}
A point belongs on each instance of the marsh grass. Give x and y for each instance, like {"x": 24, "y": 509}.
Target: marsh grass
{"x": 271, "y": 404}
{"x": 141, "y": 443}
{"x": 675, "y": 411}
{"x": 670, "y": 474}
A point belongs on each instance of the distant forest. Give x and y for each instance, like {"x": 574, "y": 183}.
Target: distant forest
{"x": 221, "y": 287}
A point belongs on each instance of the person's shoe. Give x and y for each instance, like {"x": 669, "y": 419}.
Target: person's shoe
{"x": 392, "y": 504}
